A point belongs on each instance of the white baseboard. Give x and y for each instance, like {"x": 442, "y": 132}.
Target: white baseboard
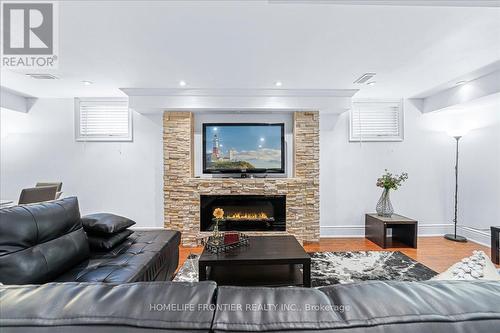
{"x": 424, "y": 230}
{"x": 335, "y": 231}
{"x": 477, "y": 236}
{"x": 434, "y": 229}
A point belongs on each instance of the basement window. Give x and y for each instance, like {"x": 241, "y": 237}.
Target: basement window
{"x": 376, "y": 121}
{"x": 102, "y": 119}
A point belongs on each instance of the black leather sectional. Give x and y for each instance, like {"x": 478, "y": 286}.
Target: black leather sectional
{"x": 45, "y": 242}
{"x": 145, "y": 256}
{"x": 55, "y": 283}
{"x": 371, "y": 307}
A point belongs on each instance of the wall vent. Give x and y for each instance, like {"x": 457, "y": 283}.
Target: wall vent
{"x": 41, "y": 76}
{"x": 364, "y": 78}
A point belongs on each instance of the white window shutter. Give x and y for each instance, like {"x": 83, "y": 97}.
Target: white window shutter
{"x": 376, "y": 121}
{"x": 103, "y": 120}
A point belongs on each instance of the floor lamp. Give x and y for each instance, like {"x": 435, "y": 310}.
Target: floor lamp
{"x": 454, "y": 237}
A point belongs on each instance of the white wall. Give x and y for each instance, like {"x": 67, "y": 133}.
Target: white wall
{"x": 127, "y": 178}
{"x": 479, "y": 164}
{"x": 124, "y": 178}
{"x": 479, "y": 199}
{"x": 348, "y": 172}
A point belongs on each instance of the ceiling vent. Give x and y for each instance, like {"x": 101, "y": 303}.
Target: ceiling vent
{"x": 364, "y": 78}
{"x": 43, "y": 76}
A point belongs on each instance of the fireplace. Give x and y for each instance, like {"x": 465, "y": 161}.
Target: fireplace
{"x": 244, "y": 212}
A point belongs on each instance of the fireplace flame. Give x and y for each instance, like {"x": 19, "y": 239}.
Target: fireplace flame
{"x": 242, "y": 216}
{"x": 248, "y": 216}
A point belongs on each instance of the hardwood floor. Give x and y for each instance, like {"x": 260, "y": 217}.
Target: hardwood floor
{"x": 434, "y": 252}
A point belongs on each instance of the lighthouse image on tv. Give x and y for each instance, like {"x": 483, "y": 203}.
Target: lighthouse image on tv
{"x": 243, "y": 148}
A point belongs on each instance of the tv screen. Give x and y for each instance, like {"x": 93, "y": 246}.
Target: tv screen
{"x": 243, "y": 148}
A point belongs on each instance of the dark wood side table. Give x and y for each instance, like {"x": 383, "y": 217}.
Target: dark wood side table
{"x": 403, "y": 229}
{"x": 267, "y": 261}
{"x": 495, "y": 234}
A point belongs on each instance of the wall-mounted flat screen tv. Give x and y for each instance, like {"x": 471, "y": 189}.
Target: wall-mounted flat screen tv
{"x": 243, "y": 148}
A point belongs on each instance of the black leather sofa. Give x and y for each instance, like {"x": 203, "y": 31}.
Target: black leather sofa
{"x": 371, "y": 307}
{"x": 45, "y": 242}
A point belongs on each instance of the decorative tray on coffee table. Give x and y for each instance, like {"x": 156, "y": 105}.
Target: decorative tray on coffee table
{"x": 225, "y": 242}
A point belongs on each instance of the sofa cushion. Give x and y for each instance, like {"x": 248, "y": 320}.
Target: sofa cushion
{"x": 106, "y": 243}
{"x": 147, "y": 255}
{"x": 40, "y": 241}
{"x": 423, "y": 304}
{"x": 389, "y": 307}
{"x": 138, "y": 307}
{"x": 105, "y": 223}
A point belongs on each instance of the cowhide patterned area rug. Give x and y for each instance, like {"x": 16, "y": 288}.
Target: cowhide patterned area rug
{"x": 328, "y": 268}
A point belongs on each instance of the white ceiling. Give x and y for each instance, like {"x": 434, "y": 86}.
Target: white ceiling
{"x": 251, "y": 44}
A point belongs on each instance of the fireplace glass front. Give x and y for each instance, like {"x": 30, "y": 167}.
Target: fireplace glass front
{"x": 244, "y": 212}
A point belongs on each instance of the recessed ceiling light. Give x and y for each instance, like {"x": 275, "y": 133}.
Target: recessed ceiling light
{"x": 182, "y": 83}
{"x": 42, "y": 76}
{"x": 87, "y": 83}
{"x": 365, "y": 78}
{"x": 459, "y": 83}
{"x": 278, "y": 83}
{"x": 372, "y": 83}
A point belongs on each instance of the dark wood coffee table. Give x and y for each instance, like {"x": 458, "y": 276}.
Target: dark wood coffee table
{"x": 267, "y": 261}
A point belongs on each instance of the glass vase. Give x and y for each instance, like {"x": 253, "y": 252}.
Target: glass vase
{"x": 384, "y": 206}
{"x": 216, "y": 233}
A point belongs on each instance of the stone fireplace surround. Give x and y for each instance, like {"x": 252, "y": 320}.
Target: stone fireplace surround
{"x": 182, "y": 190}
